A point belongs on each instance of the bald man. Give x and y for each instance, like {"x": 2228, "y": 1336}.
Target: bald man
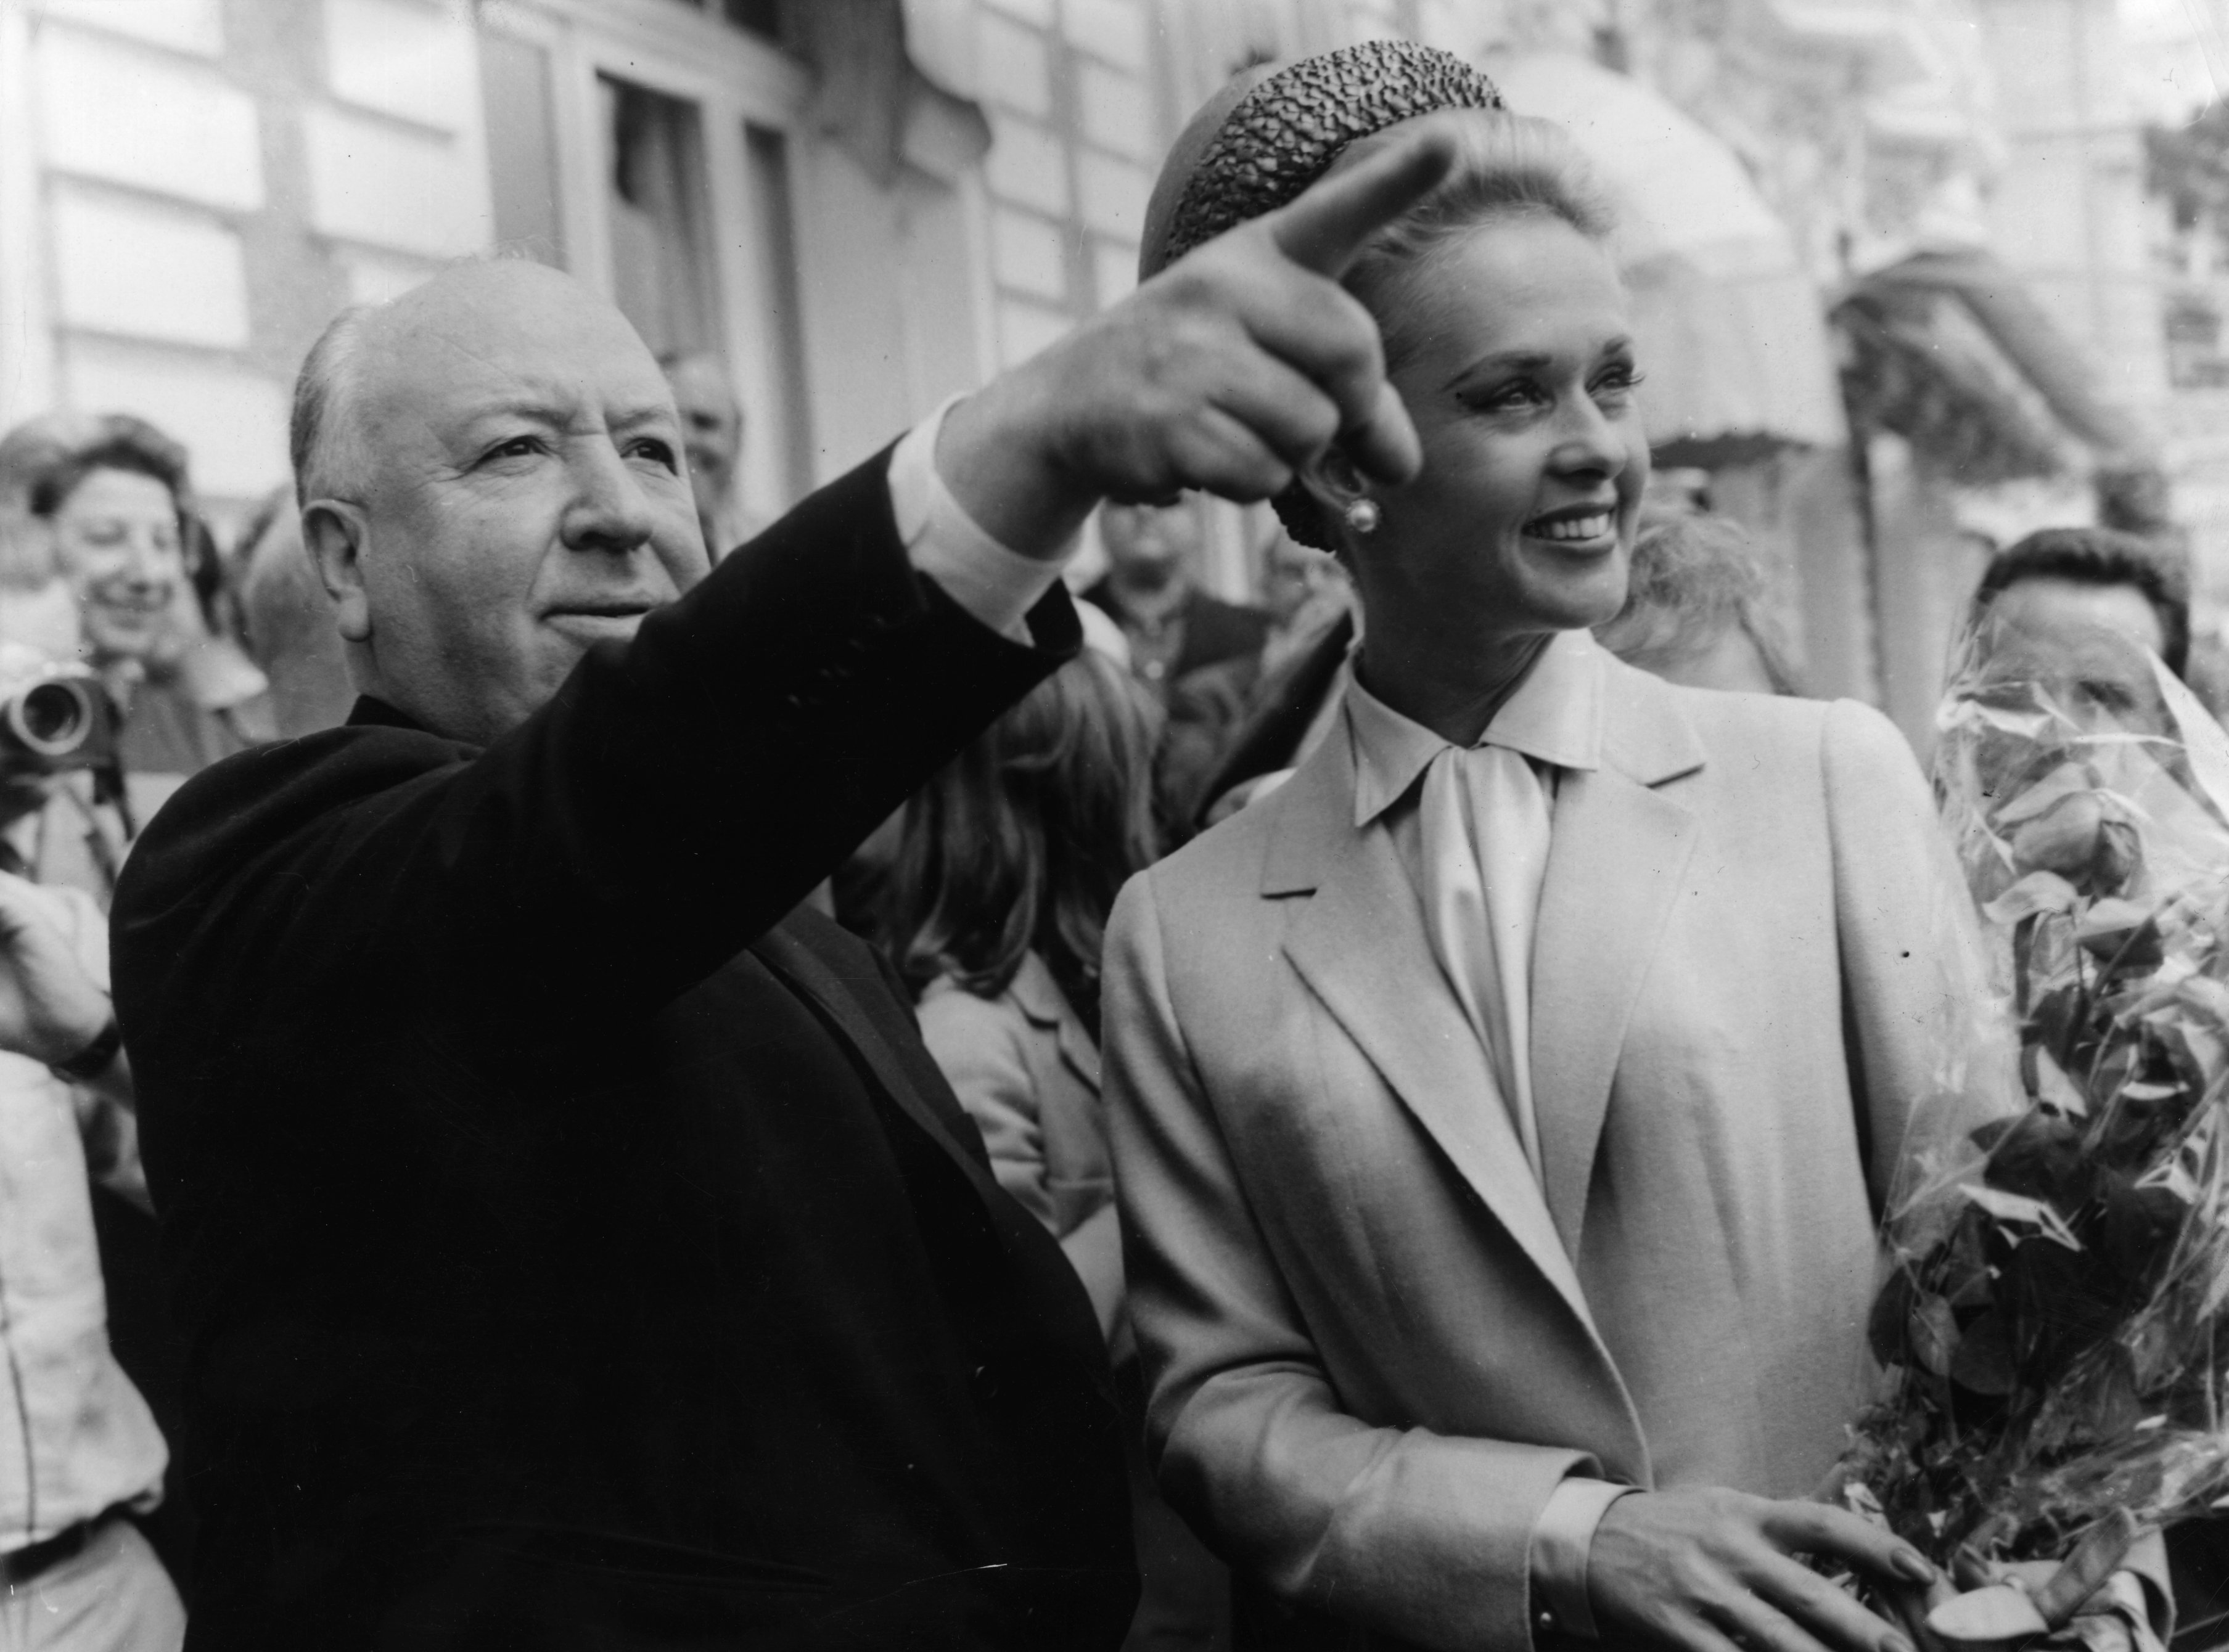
{"x": 576, "y": 1245}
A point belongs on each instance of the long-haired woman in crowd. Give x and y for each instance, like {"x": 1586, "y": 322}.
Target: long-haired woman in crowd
{"x": 1010, "y": 861}
{"x": 1503, "y": 1108}
{"x": 1010, "y": 858}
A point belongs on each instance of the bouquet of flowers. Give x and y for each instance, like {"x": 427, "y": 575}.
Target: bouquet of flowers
{"x": 2053, "y": 1323}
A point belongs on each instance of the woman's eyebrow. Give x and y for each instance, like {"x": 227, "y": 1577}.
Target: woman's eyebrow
{"x": 1503, "y": 361}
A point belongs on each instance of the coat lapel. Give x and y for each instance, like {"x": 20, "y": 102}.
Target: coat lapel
{"x": 1620, "y": 849}
{"x": 1043, "y": 1002}
{"x": 1361, "y": 947}
{"x": 1062, "y": 1309}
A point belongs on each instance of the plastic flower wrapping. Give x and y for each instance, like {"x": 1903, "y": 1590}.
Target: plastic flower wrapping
{"x": 2052, "y": 1324}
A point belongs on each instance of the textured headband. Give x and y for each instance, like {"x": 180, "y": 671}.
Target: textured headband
{"x": 1270, "y": 133}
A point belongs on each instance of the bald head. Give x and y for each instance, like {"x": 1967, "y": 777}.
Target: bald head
{"x": 493, "y": 482}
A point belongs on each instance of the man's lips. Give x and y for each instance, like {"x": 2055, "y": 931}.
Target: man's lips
{"x": 596, "y": 621}
{"x": 600, "y": 610}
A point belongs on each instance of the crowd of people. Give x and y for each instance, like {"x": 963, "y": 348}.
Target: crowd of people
{"x": 1360, "y": 1120}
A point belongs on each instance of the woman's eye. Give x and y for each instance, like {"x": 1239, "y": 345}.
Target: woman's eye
{"x": 658, "y": 452}
{"x": 1617, "y": 383}
{"x": 518, "y": 447}
{"x": 1506, "y": 398}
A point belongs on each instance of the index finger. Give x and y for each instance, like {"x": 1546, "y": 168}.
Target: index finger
{"x": 1330, "y": 222}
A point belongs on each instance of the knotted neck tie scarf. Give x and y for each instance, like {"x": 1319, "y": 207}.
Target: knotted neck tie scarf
{"x": 1484, "y": 837}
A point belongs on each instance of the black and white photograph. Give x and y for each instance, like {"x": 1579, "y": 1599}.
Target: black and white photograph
{"x": 1114, "y": 826}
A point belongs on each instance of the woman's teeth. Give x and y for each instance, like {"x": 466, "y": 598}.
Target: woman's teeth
{"x": 1572, "y": 527}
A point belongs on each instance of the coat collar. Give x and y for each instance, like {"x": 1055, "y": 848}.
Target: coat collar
{"x": 1646, "y": 737}
{"x": 369, "y": 711}
{"x": 1554, "y": 715}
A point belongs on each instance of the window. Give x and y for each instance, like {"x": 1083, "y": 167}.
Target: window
{"x": 662, "y": 275}
{"x": 774, "y": 239}
{"x": 521, "y": 139}
{"x": 759, "y": 17}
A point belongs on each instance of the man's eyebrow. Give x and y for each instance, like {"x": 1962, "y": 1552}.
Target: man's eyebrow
{"x": 555, "y": 416}
{"x": 539, "y": 413}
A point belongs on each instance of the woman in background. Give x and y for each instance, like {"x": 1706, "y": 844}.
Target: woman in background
{"x": 1009, "y": 862}
{"x": 115, "y": 514}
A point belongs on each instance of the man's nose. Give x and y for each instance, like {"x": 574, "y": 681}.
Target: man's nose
{"x": 609, "y": 511}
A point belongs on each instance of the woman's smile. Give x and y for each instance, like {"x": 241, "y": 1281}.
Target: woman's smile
{"x": 1576, "y": 525}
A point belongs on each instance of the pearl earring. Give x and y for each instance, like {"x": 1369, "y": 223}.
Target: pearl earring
{"x": 1363, "y": 516}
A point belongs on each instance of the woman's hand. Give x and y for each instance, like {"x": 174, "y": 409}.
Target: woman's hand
{"x": 1710, "y": 1571}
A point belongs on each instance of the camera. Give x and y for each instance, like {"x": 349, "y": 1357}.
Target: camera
{"x": 52, "y": 717}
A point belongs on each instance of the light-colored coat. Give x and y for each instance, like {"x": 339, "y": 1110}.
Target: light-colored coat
{"x": 1374, "y": 1346}
{"x": 1028, "y": 1073}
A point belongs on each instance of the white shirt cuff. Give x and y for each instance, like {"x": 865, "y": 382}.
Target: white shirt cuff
{"x": 997, "y": 586}
{"x": 1561, "y": 1540}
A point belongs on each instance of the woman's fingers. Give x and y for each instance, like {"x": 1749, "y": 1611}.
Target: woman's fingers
{"x": 1663, "y": 1559}
{"x": 1829, "y": 1614}
{"x": 1752, "y": 1623}
{"x": 1836, "y": 1533}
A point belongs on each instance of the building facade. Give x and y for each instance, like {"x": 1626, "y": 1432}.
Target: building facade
{"x": 865, "y": 206}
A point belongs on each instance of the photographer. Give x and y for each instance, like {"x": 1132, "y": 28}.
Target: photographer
{"x": 109, "y": 516}
{"x": 75, "y": 1573}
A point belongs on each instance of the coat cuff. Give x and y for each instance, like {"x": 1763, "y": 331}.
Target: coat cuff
{"x": 995, "y": 584}
{"x": 1562, "y": 1539}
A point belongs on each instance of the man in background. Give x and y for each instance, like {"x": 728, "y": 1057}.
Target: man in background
{"x": 1174, "y": 628}
{"x": 286, "y": 621}
{"x": 2059, "y": 582}
{"x": 712, "y": 432}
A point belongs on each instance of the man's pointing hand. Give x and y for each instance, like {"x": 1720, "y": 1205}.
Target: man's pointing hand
{"x": 1227, "y": 372}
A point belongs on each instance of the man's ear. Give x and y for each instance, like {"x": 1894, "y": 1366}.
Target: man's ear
{"x": 336, "y": 534}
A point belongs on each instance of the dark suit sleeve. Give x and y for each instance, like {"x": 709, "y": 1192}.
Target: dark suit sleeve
{"x": 675, "y": 798}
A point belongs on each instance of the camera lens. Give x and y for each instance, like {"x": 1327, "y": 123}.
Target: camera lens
{"x": 52, "y": 718}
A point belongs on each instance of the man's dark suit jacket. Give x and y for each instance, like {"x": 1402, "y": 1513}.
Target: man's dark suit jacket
{"x": 575, "y": 1251}
{"x": 1214, "y": 630}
